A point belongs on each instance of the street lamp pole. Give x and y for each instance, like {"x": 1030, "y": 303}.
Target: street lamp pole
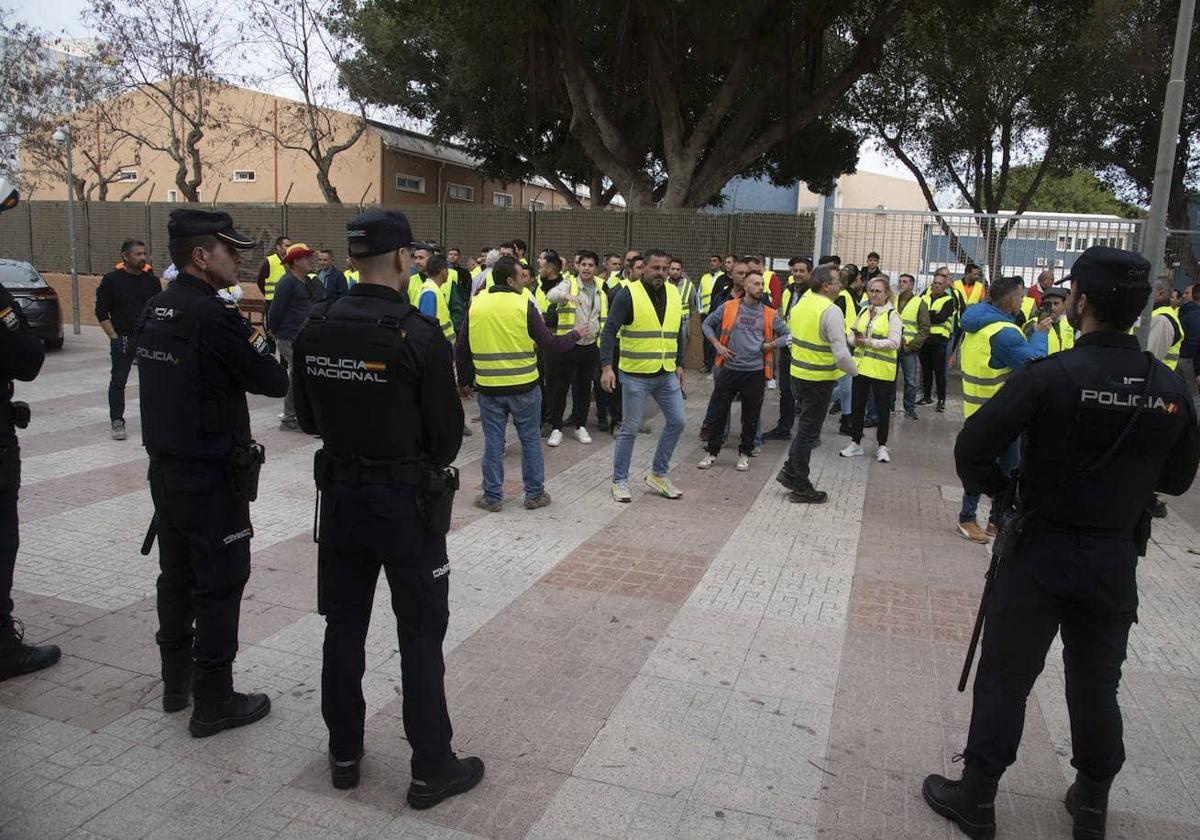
{"x": 63, "y": 137}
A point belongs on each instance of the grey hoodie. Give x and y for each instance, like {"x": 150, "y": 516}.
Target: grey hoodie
{"x": 747, "y": 336}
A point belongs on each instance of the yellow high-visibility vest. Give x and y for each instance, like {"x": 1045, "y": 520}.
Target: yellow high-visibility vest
{"x": 851, "y": 312}
{"x": 974, "y": 296}
{"x": 566, "y": 310}
{"x": 648, "y": 346}
{"x": 443, "y": 308}
{"x": 1028, "y": 305}
{"x": 936, "y": 305}
{"x": 501, "y": 346}
{"x": 877, "y": 364}
{"x": 687, "y": 291}
{"x": 351, "y": 278}
{"x": 1171, "y": 360}
{"x": 275, "y": 271}
{"x": 980, "y": 380}
{"x": 1061, "y": 337}
{"x": 785, "y": 307}
{"x": 812, "y": 356}
{"x": 909, "y": 316}
{"x": 707, "y": 282}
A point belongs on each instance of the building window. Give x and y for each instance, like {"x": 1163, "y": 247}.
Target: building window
{"x": 500, "y": 199}
{"x": 172, "y": 196}
{"x": 1081, "y": 243}
{"x": 410, "y": 183}
{"x": 460, "y": 192}
{"x": 534, "y": 204}
{"x": 126, "y": 175}
{"x": 244, "y": 175}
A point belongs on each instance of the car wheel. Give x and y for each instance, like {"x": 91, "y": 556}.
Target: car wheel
{"x": 54, "y": 343}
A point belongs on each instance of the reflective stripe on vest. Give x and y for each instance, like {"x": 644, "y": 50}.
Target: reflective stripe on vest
{"x": 501, "y": 346}
{"x": 443, "y": 309}
{"x": 1061, "y": 337}
{"x": 872, "y": 362}
{"x": 1171, "y": 360}
{"x": 812, "y": 356}
{"x": 936, "y": 305}
{"x": 909, "y": 317}
{"x": 980, "y": 380}
{"x": 566, "y": 311}
{"x": 687, "y": 291}
{"x": 729, "y": 318}
{"x": 707, "y": 281}
{"x": 275, "y": 271}
{"x": 647, "y": 345}
{"x": 851, "y": 310}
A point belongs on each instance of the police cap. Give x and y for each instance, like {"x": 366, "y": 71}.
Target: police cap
{"x": 1101, "y": 272}
{"x": 185, "y": 223}
{"x": 379, "y": 232}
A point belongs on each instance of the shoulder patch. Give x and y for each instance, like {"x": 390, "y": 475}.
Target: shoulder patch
{"x": 10, "y": 319}
{"x": 258, "y": 340}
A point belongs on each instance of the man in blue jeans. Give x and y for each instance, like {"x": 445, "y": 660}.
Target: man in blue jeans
{"x": 497, "y": 350}
{"x": 647, "y": 318}
{"x": 120, "y": 298}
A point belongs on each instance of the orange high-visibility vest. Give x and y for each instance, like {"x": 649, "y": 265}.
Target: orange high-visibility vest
{"x": 729, "y": 318}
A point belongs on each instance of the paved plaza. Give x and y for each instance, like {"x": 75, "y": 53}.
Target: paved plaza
{"x": 727, "y": 665}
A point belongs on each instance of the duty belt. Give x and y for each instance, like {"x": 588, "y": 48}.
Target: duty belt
{"x": 358, "y": 470}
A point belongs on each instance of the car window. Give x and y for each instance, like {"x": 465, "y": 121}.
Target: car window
{"x": 16, "y": 275}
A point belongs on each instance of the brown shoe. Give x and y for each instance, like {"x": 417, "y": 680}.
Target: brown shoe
{"x": 991, "y": 529}
{"x": 971, "y": 531}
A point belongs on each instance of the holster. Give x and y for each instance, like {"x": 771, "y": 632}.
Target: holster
{"x": 1141, "y": 531}
{"x": 19, "y": 414}
{"x": 10, "y": 467}
{"x": 435, "y": 498}
{"x": 245, "y": 464}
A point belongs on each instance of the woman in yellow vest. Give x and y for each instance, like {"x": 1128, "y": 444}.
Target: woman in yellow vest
{"x": 877, "y": 334}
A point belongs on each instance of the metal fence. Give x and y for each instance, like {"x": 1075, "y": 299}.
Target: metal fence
{"x": 915, "y": 242}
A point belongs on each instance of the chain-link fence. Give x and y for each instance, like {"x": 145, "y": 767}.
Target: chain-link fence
{"x": 907, "y": 241}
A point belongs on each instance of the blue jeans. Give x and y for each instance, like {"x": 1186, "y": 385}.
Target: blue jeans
{"x": 635, "y": 390}
{"x": 841, "y": 394}
{"x": 526, "y": 412}
{"x": 1008, "y": 461}
{"x": 120, "y": 351}
{"x": 910, "y": 367}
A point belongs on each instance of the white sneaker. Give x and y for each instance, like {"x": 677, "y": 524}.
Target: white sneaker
{"x": 555, "y": 438}
{"x": 882, "y": 455}
{"x": 743, "y": 463}
{"x": 620, "y": 491}
{"x": 851, "y": 451}
{"x": 581, "y": 435}
{"x": 707, "y": 461}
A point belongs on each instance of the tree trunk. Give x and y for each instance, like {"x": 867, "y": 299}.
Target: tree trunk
{"x": 327, "y": 188}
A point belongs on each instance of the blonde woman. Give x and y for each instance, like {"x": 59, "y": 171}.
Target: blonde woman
{"x": 877, "y": 333}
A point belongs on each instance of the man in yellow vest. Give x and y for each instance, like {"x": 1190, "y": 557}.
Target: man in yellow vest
{"x": 1061, "y": 335}
{"x": 578, "y": 301}
{"x": 914, "y": 318}
{"x": 1164, "y": 343}
{"x": 497, "y": 350}
{"x": 943, "y": 311}
{"x": 993, "y": 347}
{"x": 430, "y": 299}
{"x": 820, "y": 358}
{"x": 646, "y": 317}
{"x": 687, "y": 294}
{"x": 796, "y": 288}
{"x": 272, "y": 269}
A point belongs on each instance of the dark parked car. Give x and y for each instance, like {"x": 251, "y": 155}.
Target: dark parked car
{"x": 37, "y": 300}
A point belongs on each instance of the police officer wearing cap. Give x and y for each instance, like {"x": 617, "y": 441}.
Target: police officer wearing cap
{"x": 21, "y": 356}
{"x": 373, "y": 379}
{"x": 197, "y": 360}
{"x": 1105, "y": 426}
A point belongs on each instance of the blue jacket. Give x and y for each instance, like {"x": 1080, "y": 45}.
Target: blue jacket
{"x": 335, "y": 282}
{"x": 1189, "y": 319}
{"x": 1010, "y": 349}
{"x": 293, "y": 299}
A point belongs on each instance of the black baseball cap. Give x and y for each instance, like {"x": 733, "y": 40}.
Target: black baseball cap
{"x": 1100, "y": 272}
{"x": 379, "y": 232}
{"x": 185, "y": 223}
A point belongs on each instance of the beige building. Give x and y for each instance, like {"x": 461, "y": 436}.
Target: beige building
{"x": 246, "y": 159}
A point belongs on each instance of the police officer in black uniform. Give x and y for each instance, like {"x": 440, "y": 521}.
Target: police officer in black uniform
{"x": 373, "y": 379}
{"x": 21, "y": 356}
{"x": 197, "y": 359}
{"x": 1105, "y": 426}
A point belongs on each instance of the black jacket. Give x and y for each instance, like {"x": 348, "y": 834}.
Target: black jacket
{"x": 21, "y": 357}
{"x": 121, "y": 296}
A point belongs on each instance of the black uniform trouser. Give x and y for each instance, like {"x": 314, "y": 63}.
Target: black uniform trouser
{"x": 121, "y": 353}
{"x": 787, "y": 400}
{"x": 750, "y": 386}
{"x": 1086, "y": 588}
{"x": 933, "y": 365}
{"x": 363, "y": 529}
{"x": 572, "y": 371}
{"x": 10, "y": 482}
{"x": 204, "y": 560}
{"x": 812, "y": 404}
{"x": 608, "y": 405}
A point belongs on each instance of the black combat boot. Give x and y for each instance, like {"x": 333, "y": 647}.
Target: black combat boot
{"x": 968, "y": 802}
{"x": 1087, "y": 803}
{"x": 18, "y": 658}
{"x": 209, "y": 718}
{"x": 785, "y": 478}
{"x": 344, "y": 774}
{"x": 463, "y": 775}
{"x": 177, "y": 679}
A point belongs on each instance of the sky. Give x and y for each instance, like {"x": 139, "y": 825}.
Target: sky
{"x": 66, "y": 15}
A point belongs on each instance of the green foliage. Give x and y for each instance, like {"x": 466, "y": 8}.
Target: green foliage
{"x": 1078, "y": 191}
